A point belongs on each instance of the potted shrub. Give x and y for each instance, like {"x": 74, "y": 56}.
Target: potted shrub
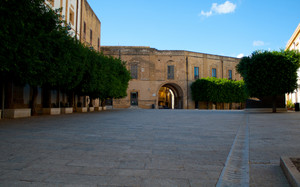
{"x": 53, "y": 110}
{"x": 80, "y": 107}
{"x": 290, "y": 105}
{"x": 66, "y": 109}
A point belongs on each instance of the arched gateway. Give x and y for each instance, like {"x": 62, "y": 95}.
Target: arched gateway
{"x": 170, "y": 96}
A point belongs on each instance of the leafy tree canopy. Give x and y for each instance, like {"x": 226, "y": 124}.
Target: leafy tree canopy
{"x": 35, "y": 48}
{"x": 218, "y": 90}
{"x": 270, "y": 73}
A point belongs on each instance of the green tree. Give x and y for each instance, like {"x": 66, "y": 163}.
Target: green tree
{"x": 218, "y": 90}
{"x": 27, "y": 30}
{"x": 104, "y": 77}
{"x": 269, "y": 73}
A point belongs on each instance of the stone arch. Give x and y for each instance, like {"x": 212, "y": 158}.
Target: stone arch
{"x": 177, "y": 95}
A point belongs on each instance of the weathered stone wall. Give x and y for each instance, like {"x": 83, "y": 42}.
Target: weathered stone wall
{"x": 152, "y": 72}
{"x": 92, "y": 23}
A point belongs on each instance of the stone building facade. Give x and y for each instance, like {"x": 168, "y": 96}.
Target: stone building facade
{"x": 294, "y": 44}
{"x": 82, "y": 20}
{"x": 162, "y": 78}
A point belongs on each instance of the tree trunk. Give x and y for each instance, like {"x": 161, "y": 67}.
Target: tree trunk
{"x": 58, "y": 98}
{"x": 3, "y": 99}
{"x": 33, "y": 100}
{"x": 274, "y": 104}
{"x": 102, "y": 102}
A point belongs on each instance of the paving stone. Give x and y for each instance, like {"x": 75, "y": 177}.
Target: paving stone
{"x": 142, "y": 148}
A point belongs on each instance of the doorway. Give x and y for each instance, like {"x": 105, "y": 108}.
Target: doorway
{"x": 170, "y": 96}
{"x": 134, "y": 98}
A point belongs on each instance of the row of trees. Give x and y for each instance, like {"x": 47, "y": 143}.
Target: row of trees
{"x": 265, "y": 74}
{"x": 218, "y": 90}
{"x": 36, "y": 49}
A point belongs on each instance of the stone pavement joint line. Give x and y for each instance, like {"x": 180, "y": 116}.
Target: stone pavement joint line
{"x": 236, "y": 170}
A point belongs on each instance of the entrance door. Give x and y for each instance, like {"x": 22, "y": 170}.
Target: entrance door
{"x": 134, "y": 98}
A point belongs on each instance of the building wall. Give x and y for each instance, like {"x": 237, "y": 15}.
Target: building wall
{"x": 80, "y": 17}
{"x": 90, "y": 26}
{"x": 153, "y": 67}
{"x": 294, "y": 44}
{"x": 70, "y": 12}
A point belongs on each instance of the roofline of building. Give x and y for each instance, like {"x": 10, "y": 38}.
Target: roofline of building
{"x": 148, "y": 47}
{"x": 92, "y": 10}
{"x": 290, "y": 42}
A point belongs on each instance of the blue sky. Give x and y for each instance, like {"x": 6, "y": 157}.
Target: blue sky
{"x": 220, "y": 27}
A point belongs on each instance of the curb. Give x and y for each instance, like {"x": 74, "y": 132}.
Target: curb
{"x": 290, "y": 171}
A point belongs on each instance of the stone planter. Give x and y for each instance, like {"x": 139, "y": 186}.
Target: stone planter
{"x": 67, "y": 110}
{"x": 98, "y": 108}
{"x": 52, "y": 111}
{"x": 91, "y": 109}
{"x": 81, "y": 109}
{"x": 17, "y": 113}
{"x": 290, "y": 171}
{"x": 104, "y": 108}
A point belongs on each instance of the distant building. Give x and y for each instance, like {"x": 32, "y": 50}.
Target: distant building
{"x": 82, "y": 20}
{"x": 294, "y": 44}
{"x": 162, "y": 78}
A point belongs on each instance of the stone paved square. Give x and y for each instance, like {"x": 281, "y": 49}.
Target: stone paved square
{"x": 142, "y": 148}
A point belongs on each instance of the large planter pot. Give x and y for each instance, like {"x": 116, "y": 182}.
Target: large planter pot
{"x": 52, "y": 111}
{"x": 98, "y": 108}
{"x": 17, "y": 113}
{"x": 91, "y": 109}
{"x": 81, "y": 109}
{"x": 67, "y": 110}
{"x": 104, "y": 108}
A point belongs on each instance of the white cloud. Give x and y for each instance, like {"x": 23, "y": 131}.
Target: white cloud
{"x": 207, "y": 14}
{"x": 258, "y": 43}
{"x": 240, "y": 55}
{"x": 224, "y": 8}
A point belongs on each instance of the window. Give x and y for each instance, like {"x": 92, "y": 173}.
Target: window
{"x": 196, "y": 73}
{"x": 170, "y": 72}
{"x": 214, "y": 72}
{"x": 196, "y": 105}
{"x": 84, "y": 30}
{"x": 71, "y": 16}
{"x": 91, "y": 37}
{"x": 134, "y": 71}
{"x": 230, "y": 74}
